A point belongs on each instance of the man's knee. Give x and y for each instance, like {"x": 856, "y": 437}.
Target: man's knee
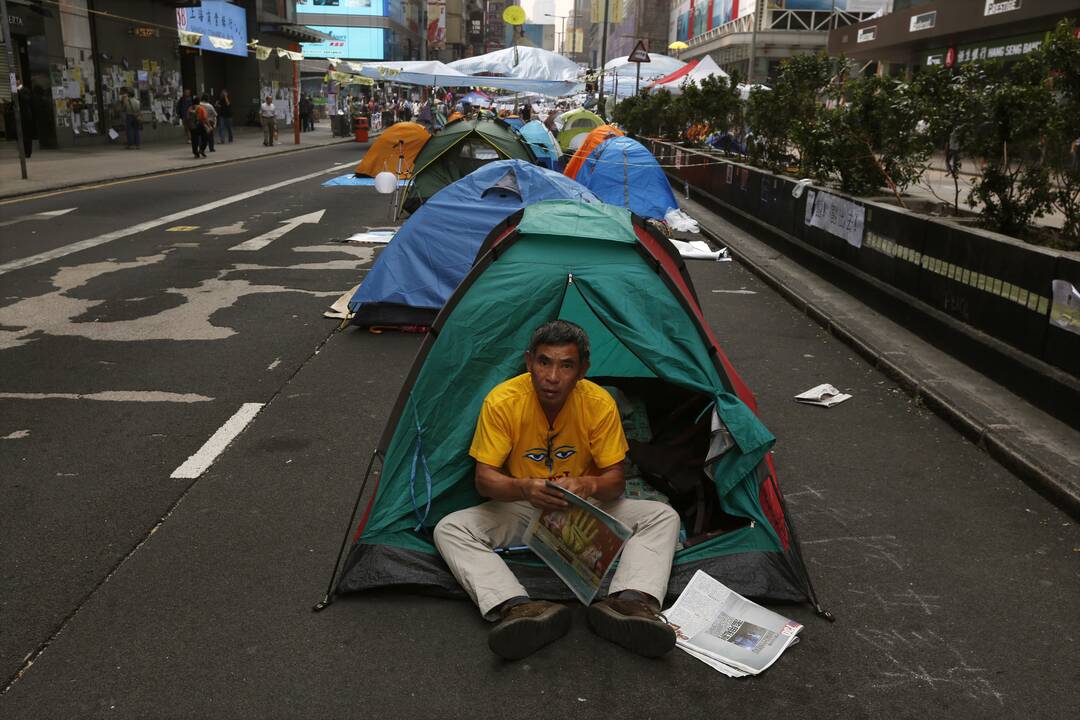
{"x": 661, "y": 515}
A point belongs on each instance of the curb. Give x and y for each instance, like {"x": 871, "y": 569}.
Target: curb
{"x": 215, "y": 163}
{"x": 1054, "y": 486}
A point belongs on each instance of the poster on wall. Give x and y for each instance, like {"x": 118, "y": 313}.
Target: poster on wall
{"x": 221, "y": 25}
{"x": 436, "y": 29}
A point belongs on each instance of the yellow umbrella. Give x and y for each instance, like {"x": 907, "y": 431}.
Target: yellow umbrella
{"x": 677, "y": 45}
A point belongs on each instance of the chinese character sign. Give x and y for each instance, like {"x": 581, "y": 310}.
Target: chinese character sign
{"x": 223, "y": 26}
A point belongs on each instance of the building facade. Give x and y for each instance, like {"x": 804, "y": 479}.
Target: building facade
{"x": 77, "y": 56}
{"x": 752, "y": 37}
{"x": 919, "y": 33}
{"x": 629, "y": 21}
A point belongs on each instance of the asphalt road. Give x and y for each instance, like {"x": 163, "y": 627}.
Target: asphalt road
{"x": 129, "y": 593}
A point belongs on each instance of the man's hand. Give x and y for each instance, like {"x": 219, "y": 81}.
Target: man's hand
{"x": 583, "y": 487}
{"x": 539, "y": 495}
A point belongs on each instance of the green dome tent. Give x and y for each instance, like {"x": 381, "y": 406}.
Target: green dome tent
{"x": 458, "y": 149}
{"x": 626, "y": 285}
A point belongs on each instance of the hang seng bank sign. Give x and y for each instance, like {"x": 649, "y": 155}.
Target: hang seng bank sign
{"x": 1004, "y": 49}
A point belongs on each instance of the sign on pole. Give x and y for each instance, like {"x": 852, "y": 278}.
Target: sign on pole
{"x": 640, "y": 54}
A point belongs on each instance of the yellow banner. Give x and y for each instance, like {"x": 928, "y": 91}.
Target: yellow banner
{"x": 616, "y": 11}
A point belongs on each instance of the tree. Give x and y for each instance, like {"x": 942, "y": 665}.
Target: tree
{"x": 1061, "y": 54}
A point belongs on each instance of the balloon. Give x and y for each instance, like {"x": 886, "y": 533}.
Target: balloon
{"x": 385, "y": 182}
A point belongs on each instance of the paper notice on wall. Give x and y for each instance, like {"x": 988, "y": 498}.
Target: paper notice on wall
{"x": 72, "y": 89}
{"x": 1065, "y": 309}
{"x": 836, "y": 215}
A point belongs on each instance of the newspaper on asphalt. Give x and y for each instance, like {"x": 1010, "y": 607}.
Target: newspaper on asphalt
{"x": 580, "y": 543}
{"x": 731, "y": 634}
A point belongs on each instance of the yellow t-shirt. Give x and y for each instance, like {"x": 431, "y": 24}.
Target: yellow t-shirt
{"x": 513, "y": 432}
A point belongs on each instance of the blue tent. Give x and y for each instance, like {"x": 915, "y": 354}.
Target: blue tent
{"x": 543, "y": 145}
{"x": 433, "y": 251}
{"x": 622, "y": 171}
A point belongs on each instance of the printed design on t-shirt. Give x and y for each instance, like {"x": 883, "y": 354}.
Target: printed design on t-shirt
{"x": 548, "y": 455}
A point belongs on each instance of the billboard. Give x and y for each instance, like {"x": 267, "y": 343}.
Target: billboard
{"x": 352, "y": 43}
{"x": 340, "y": 7}
{"x": 223, "y": 26}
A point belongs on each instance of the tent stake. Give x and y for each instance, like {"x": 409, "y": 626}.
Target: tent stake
{"x": 328, "y": 599}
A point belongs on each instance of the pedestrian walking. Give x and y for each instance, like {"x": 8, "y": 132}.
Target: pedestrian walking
{"x": 952, "y": 152}
{"x": 182, "y": 106}
{"x": 211, "y": 120}
{"x": 195, "y": 122}
{"x": 224, "y": 113}
{"x": 307, "y": 112}
{"x": 267, "y": 119}
{"x": 26, "y": 118}
{"x": 130, "y": 106}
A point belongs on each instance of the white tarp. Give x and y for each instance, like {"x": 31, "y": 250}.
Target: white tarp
{"x": 704, "y": 69}
{"x": 410, "y": 72}
{"x": 524, "y": 63}
{"x": 744, "y": 90}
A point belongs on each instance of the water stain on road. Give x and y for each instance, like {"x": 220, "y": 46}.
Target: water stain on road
{"x": 57, "y": 313}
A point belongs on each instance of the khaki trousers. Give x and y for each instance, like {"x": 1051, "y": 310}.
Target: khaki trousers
{"x": 467, "y": 537}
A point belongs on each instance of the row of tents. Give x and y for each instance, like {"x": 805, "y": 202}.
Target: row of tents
{"x": 459, "y": 190}
{"x": 490, "y": 256}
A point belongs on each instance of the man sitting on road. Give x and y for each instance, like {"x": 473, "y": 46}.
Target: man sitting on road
{"x": 552, "y": 424}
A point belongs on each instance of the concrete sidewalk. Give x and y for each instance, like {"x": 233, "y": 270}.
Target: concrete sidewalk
{"x": 54, "y": 169}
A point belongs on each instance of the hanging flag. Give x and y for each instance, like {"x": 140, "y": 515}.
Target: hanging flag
{"x": 262, "y": 53}
{"x": 189, "y": 39}
{"x": 221, "y": 43}
{"x": 436, "y": 28}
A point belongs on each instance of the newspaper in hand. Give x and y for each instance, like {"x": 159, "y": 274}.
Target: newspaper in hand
{"x": 730, "y": 633}
{"x": 580, "y": 543}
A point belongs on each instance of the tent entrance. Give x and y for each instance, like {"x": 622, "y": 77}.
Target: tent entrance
{"x": 667, "y": 427}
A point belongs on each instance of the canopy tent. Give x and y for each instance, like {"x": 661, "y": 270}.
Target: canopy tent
{"x": 658, "y": 66}
{"x": 458, "y": 149}
{"x": 476, "y": 97}
{"x": 676, "y": 74}
{"x": 702, "y": 70}
{"x": 594, "y": 138}
{"x": 432, "y": 73}
{"x": 576, "y": 122}
{"x": 395, "y": 150}
{"x": 622, "y": 171}
{"x": 745, "y": 90}
{"x": 513, "y": 121}
{"x": 422, "y": 266}
{"x": 543, "y": 143}
{"x": 625, "y": 284}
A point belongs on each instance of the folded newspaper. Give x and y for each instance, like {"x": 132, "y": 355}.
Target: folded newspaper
{"x": 580, "y": 543}
{"x": 726, "y": 631}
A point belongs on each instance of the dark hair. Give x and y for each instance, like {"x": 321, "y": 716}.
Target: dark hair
{"x": 561, "y": 332}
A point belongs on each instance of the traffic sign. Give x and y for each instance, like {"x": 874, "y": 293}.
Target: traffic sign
{"x": 640, "y": 54}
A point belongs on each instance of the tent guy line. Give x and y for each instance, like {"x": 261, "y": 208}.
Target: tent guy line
{"x": 150, "y": 224}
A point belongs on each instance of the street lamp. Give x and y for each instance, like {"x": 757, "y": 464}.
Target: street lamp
{"x": 564, "y": 18}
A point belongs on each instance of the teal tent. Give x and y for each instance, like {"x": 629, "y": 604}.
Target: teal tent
{"x": 602, "y": 268}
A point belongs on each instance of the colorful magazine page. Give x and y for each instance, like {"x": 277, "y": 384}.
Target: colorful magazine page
{"x": 580, "y": 543}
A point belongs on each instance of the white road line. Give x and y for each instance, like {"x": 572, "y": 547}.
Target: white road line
{"x": 149, "y": 224}
{"x": 112, "y": 396}
{"x": 736, "y": 292}
{"x": 47, "y": 215}
{"x": 197, "y": 464}
{"x": 258, "y": 243}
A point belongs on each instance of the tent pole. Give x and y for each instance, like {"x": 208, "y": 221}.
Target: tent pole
{"x": 328, "y": 599}
{"x": 796, "y": 547}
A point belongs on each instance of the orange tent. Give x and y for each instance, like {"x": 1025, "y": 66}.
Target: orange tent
{"x": 454, "y": 116}
{"x": 401, "y": 142}
{"x": 594, "y": 138}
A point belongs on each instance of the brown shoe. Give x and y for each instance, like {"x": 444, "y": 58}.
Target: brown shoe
{"x": 527, "y": 627}
{"x": 632, "y": 624}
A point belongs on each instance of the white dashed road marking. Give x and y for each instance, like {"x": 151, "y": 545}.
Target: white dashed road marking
{"x": 112, "y": 396}
{"x": 197, "y": 464}
{"x": 150, "y": 224}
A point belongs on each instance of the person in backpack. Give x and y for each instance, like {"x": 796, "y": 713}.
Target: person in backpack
{"x": 211, "y": 120}
{"x": 182, "y": 106}
{"x": 195, "y": 121}
{"x": 551, "y": 426}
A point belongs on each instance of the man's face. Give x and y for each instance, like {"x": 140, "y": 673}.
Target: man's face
{"x": 555, "y": 369}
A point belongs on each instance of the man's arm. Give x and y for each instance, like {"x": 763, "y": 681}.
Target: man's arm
{"x": 492, "y": 482}
{"x": 607, "y": 484}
